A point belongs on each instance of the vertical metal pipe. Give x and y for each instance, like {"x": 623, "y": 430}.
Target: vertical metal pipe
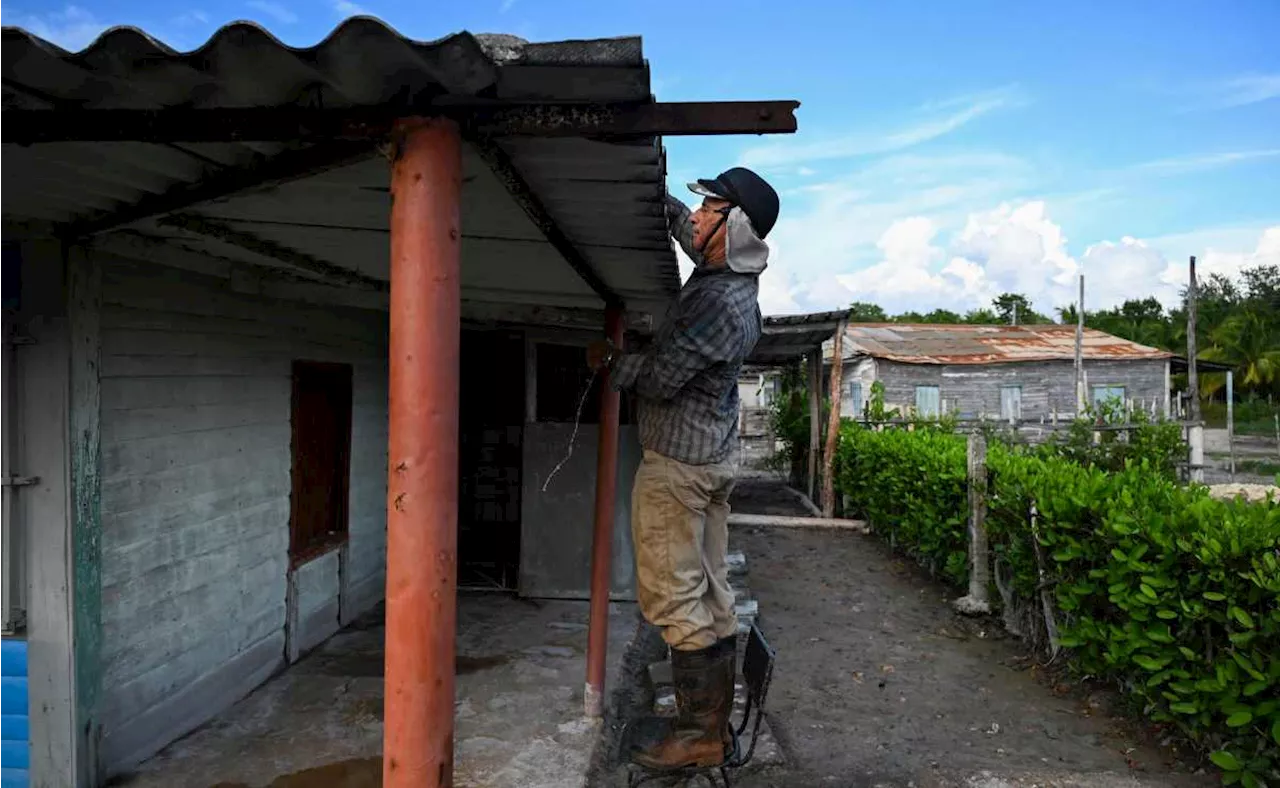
{"x": 422, "y": 478}
{"x": 1231, "y": 422}
{"x": 1193, "y": 375}
{"x": 1080, "y": 390}
{"x": 602, "y": 534}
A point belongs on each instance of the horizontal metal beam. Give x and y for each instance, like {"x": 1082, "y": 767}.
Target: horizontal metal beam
{"x": 282, "y": 124}
{"x": 524, "y": 195}
{"x": 328, "y": 272}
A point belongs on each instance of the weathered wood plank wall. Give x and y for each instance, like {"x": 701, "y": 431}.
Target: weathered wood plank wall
{"x": 195, "y": 395}
{"x": 1046, "y": 386}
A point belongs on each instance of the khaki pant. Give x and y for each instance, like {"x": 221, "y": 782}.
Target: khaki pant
{"x": 680, "y": 529}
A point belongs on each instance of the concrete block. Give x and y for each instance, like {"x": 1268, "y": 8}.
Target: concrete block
{"x": 737, "y": 564}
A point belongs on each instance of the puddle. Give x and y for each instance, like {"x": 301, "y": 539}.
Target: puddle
{"x": 355, "y": 773}
{"x": 360, "y": 664}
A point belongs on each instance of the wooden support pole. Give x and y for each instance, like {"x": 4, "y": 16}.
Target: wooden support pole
{"x": 815, "y": 416}
{"x": 1195, "y": 433}
{"x": 422, "y": 479}
{"x": 975, "y": 602}
{"x": 602, "y": 533}
{"x": 833, "y": 426}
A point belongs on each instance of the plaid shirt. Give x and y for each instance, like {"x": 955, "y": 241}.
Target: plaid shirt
{"x": 687, "y": 380}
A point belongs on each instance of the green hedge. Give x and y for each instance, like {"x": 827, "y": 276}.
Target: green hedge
{"x": 1172, "y": 595}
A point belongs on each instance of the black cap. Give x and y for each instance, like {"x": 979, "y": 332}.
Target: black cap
{"x": 748, "y": 191}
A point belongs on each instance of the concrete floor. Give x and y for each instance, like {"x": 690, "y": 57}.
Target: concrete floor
{"x": 521, "y": 666}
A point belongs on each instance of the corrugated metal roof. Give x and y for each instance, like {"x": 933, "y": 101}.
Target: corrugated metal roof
{"x": 786, "y": 338}
{"x": 606, "y": 197}
{"x": 965, "y": 344}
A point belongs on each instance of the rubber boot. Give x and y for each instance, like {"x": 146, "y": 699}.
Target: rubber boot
{"x": 729, "y": 663}
{"x": 702, "y": 703}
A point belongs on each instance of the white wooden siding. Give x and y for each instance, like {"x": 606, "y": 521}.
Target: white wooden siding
{"x": 196, "y": 397}
{"x": 862, "y": 372}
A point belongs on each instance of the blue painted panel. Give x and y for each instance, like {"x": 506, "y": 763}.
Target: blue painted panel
{"x": 13, "y": 658}
{"x": 14, "y": 778}
{"x": 15, "y": 754}
{"x": 14, "y": 727}
{"x": 13, "y": 695}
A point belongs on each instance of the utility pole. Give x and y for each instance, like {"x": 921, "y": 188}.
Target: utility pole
{"x": 1195, "y": 430}
{"x": 1015, "y": 314}
{"x": 1080, "y": 351}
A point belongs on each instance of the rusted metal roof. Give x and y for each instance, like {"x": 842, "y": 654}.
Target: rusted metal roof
{"x": 606, "y": 196}
{"x": 966, "y": 344}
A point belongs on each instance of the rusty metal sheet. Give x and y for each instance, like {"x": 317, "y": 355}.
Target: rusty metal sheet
{"x": 965, "y": 344}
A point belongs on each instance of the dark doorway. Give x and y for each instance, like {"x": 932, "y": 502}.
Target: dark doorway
{"x": 490, "y": 456}
{"x": 321, "y": 450}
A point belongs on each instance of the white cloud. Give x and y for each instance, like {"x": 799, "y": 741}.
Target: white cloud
{"x": 1118, "y": 271}
{"x": 1225, "y": 262}
{"x": 908, "y": 275}
{"x": 274, "y": 10}
{"x": 346, "y": 8}
{"x": 1020, "y": 250}
{"x": 1247, "y": 89}
{"x": 72, "y": 28}
{"x": 970, "y": 108}
{"x": 1184, "y": 164}
{"x": 506, "y": 6}
{"x": 191, "y": 18}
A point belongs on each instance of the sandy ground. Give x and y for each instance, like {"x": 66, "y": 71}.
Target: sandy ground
{"x": 879, "y": 683}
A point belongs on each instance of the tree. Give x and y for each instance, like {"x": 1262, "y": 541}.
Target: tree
{"x": 1262, "y": 284}
{"x": 942, "y": 316}
{"x": 937, "y": 316}
{"x": 1250, "y": 342}
{"x": 1011, "y": 305}
{"x": 864, "y": 312}
{"x": 981, "y": 317}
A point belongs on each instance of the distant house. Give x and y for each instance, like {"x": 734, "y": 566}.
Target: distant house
{"x": 1006, "y": 372}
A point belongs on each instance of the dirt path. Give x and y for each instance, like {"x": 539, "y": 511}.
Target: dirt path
{"x": 879, "y": 684}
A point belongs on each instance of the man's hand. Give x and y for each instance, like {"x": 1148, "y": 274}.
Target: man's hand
{"x": 599, "y": 354}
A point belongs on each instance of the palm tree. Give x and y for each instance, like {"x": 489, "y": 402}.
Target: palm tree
{"x": 1248, "y": 341}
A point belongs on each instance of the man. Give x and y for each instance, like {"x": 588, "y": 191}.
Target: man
{"x": 686, "y": 383}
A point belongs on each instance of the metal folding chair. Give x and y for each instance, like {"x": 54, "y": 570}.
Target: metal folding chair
{"x": 757, "y": 673}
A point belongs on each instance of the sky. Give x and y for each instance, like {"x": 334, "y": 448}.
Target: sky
{"x": 947, "y": 152}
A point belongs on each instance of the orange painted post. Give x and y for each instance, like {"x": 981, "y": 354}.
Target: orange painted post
{"x": 422, "y": 476}
{"x": 602, "y": 534}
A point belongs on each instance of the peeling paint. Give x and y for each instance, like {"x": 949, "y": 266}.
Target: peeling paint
{"x": 84, "y": 291}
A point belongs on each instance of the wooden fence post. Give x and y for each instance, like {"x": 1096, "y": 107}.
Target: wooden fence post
{"x": 833, "y": 425}
{"x": 975, "y": 602}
